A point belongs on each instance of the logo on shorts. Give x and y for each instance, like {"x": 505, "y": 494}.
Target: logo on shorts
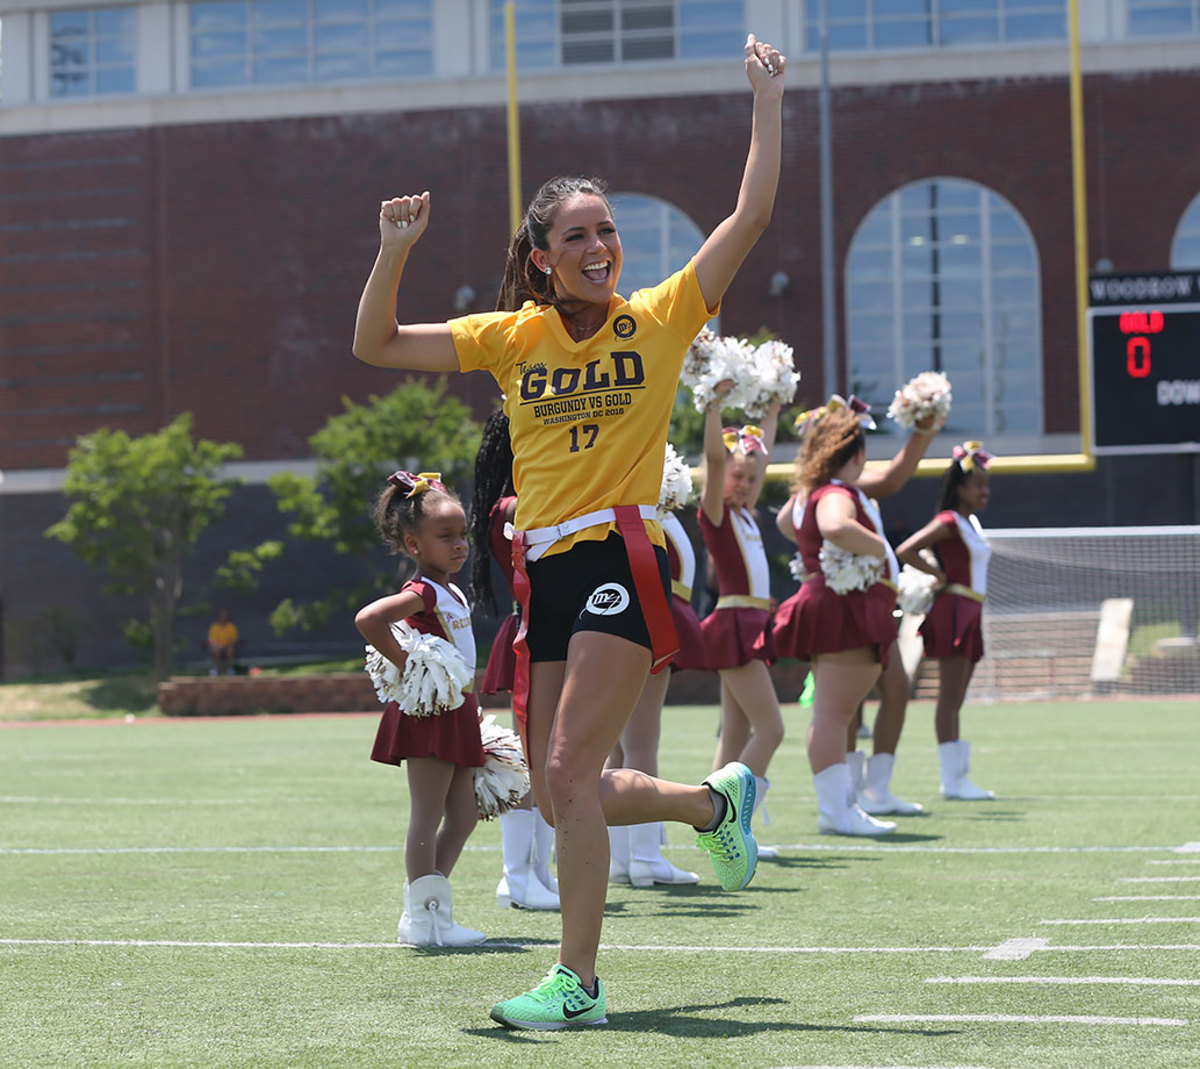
{"x": 624, "y": 326}
{"x": 607, "y": 600}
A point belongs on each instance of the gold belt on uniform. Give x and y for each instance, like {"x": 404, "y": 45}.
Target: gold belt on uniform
{"x": 742, "y": 601}
{"x": 681, "y": 591}
{"x": 964, "y": 592}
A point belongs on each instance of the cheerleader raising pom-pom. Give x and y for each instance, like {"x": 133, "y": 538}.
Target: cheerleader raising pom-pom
{"x": 915, "y": 591}
{"x": 677, "y": 485}
{"x": 712, "y": 360}
{"x": 504, "y": 779}
{"x": 435, "y": 676}
{"x": 775, "y": 375}
{"x": 921, "y": 398}
{"x": 845, "y": 571}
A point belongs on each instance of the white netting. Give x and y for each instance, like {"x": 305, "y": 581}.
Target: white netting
{"x": 1088, "y": 611}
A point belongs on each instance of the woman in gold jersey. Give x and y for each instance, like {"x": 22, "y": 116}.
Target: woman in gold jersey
{"x": 589, "y": 380}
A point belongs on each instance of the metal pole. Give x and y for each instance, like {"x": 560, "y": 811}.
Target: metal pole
{"x": 514, "y": 126}
{"x": 1079, "y": 202}
{"x": 828, "y": 313}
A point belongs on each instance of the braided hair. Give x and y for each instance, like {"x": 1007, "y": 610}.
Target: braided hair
{"x": 523, "y": 281}
{"x": 493, "y": 480}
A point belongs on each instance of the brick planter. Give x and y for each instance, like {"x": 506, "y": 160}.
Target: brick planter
{"x": 334, "y": 692}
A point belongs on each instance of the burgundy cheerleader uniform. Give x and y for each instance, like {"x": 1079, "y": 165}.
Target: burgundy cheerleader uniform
{"x": 502, "y": 661}
{"x": 953, "y": 627}
{"x": 818, "y": 620}
{"x": 681, "y": 559}
{"x": 738, "y": 630}
{"x": 454, "y": 734}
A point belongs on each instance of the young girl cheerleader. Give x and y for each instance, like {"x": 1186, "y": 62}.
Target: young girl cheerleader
{"x": 738, "y": 641}
{"x": 953, "y": 628}
{"x": 418, "y": 516}
{"x": 527, "y": 840}
{"x": 589, "y": 380}
{"x": 635, "y": 852}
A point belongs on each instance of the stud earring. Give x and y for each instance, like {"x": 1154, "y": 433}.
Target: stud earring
{"x": 548, "y": 269}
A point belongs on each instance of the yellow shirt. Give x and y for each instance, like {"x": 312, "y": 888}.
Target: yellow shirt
{"x": 588, "y": 419}
{"x": 222, "y": 634}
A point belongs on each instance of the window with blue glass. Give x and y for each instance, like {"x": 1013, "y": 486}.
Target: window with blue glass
{"x": 1163, "y": 18}
{"x": 266, "y": 42}
{"x": 552, "y": 33}
{"x": 942, "y": 275}
{"x": 1185, "y": 248}
{"x": 657, "y": 239}
{"x": 93, "y": 51}
{"x": 866, "y": 25}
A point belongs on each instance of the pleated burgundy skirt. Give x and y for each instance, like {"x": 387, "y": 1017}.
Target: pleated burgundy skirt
{"x": 817, "y": 620}
{"x": 502, "y": 661}
{"x": 691, "y": 639}
{"x": 953, "y": 627}
{"x": 734, "y": 637}
{"x": 450, "y": 736}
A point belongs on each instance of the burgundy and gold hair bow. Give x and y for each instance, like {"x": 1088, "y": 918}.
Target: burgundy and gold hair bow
{"x": 970, "y": 455}
{"x": 748, "y": 438}
{"x": 412, "y": 485}
{"x": 856, "y": 405}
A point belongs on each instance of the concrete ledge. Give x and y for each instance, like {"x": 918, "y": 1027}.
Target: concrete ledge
{"x": 333, "y": 692}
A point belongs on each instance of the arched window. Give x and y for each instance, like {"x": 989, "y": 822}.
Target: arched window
{"x": 1185, "y": 248}
{"x": 656, "y": 238}
{"x": 942, "y": 275}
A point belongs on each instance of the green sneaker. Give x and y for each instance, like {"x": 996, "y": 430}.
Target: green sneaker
{"x": 559, "y": 1001}
{"x": 730, "y": 845}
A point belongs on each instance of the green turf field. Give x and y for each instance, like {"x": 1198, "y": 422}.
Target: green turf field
{"x": 225, "y": 894}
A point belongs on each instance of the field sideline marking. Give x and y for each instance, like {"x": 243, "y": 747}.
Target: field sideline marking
{"x": 838, "y": 848}
{"x": 1009, "y": 1018}
{"x": 1084, "y": 980}
{"x": 509, "y": 944}
{"x": 1016, "y": 949}
{"x": 1176, "y": 861}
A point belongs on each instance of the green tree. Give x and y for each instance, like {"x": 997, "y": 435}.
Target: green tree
{"x": 137, "y": 508}
{"x": 418, "y": 427}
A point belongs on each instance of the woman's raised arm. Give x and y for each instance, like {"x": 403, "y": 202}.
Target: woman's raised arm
{"x": 728, "y": 245}
{"x": 378, "y": 338}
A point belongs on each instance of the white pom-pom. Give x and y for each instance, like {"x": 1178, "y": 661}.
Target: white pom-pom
{"x": 774, "y": 377}
{"x": 915, "y": 591}
{"x": 926, "y": 395}
{"x": 845, "y": 571}
{"x": 711, "y": 360}
{"x": 677, "y": 487}
{"x": 435, "y": 675}
{"x": 504, "y": 778}
{"x": 796, "y": 567}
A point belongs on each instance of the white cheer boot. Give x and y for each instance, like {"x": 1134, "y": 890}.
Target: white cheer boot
{"x": 543, "y": 850}
{"x": 837, "y": 812}
{"x": 428, "y": 919}
{"x": 875, "y": 793}
{"x": 647, "y": 866}
{"x": 761, "y": 786}
{"x": 856, "y": 761}
{"x": 954, "y": 760}
{"x": 618, "y": 854}
{"x": 520, "y": 887}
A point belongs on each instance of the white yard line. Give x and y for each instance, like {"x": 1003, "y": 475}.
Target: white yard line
{"x": 1188, "y": 848}
{"x": 1016, "y": 949}
{"x": 1177, "y": 861}
{"x": 1148, "y": 898}
{"x": 1130, "y": 920}
{"x": 1009, "y": 1018}
{"x": 1080, "y": 980}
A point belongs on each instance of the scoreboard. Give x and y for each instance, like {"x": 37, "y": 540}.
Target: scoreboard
{"x": 1144, "y": 352}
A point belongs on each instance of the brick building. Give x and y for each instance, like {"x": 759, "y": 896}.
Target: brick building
{"x": 188, "y": 194}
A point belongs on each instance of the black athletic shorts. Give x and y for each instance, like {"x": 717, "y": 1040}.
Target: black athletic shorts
{"x": 588, "y": 588}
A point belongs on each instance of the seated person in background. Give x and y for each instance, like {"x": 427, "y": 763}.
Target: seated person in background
{"x": 222, "y": 644}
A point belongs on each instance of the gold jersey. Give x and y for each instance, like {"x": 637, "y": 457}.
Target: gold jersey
{"x": 588, "y": 419}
